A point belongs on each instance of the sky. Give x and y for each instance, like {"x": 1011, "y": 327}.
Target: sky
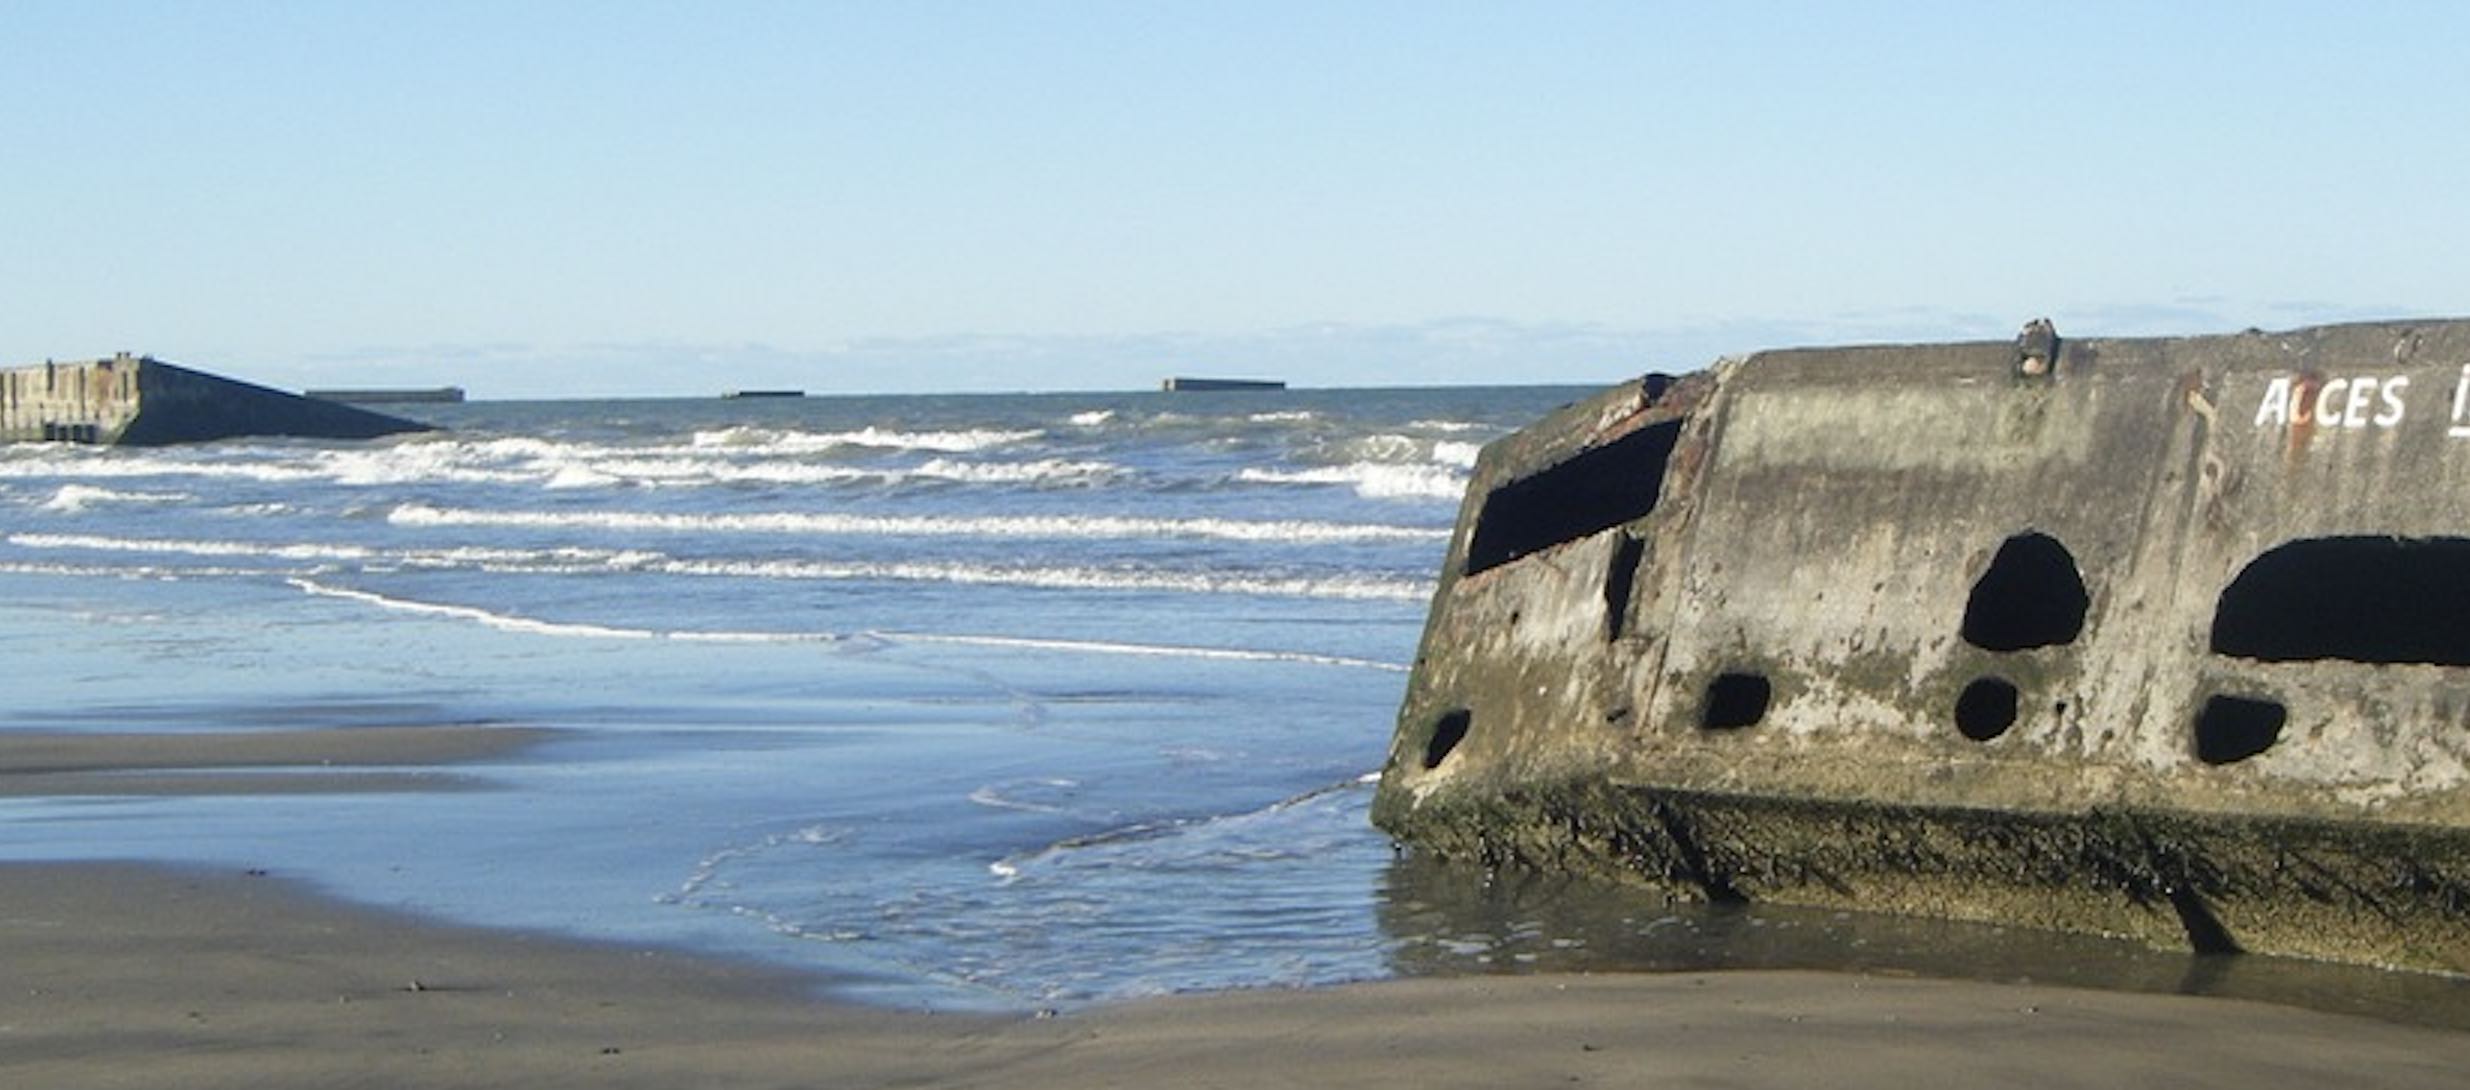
{"x": 547, "y": 199}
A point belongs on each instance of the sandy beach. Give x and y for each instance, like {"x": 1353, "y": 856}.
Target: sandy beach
{"x": 124, "y": 975}
{"x": 136, "y": 975}
{"x": 247, "y": 762}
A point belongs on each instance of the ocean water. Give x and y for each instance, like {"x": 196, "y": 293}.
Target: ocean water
{"x": 984, "y": 701}
{"x": 990, "y": 702}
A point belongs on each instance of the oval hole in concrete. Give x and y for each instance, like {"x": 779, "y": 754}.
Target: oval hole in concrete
{"x": 2358, "y": 599}
{"x": 1736, "y": 700}
{"x": 2032, "y": 596}
{"x": 2231, "y": 729}
{"x": 1986, "y": 708}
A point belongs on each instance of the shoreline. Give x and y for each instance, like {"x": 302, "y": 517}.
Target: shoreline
{"x": 140, "y": 974}
{"x": 317, "y": 759}
{"x": 152, "y": 974}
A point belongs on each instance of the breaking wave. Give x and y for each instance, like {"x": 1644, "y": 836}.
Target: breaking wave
{"x": 731, "y": 456}
{"x": 1103, "y": 647}
{"x": 73, "y": 498}
{"x": 743, "y": 438}
{"x": 993, "y": 526}
{"x": 1371, "y": 480}
{"x": 582, "y": 560}
{"x": 161, "y": 546}
{"x": 514, "y": 622}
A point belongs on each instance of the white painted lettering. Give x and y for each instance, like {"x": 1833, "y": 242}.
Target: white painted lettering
{"x": 2326, "y": 408}
{"x": 2275, "y": 408}
{"x": 2391, "y": 413}
{"x": 2351, "y": 403}
{"x": 2461, "y": 405}
{"x": 2362, "y": 395}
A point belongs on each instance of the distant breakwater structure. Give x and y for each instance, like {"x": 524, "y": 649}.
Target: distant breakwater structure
{"x": 133, "y": 400}
{"x": 391, "y": 395}
{"x": 2158, "y": 638}
{"x": 1182, "y": 385}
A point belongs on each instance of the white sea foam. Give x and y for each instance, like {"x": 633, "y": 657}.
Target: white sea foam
{"x": 1092, "y": 418}
{"x": 1144, "y": 650}
{"x": 1068, "y": 527}
{"x": 512, "y": 622}
{"x": 691, "y": 471}
{"x": 577, "y": 560}
{"x": 1353, "y": 587}
{"x": 502, "y": 621}
{"x": 1177, "y": 842}
{"x": 1041, "y": 471}
{"x": 802, "y": 442}
{"x": 555, "y": 560}
{"x": 99, "y": 466}
{"x": 1409, "y": 449}
{"x": 422, "y": 463}
{"x": 579, "y": 476}
{"x": 269, "y": 550}
{"x": 1022, "y": 795}
{"x": 1371, "y": 480}
{"x": 73, "y": 498}
{"x": 661, "y": 470}
{"x": 728, "y": 456}
{"x": 1451, "y": 452}
{"x": 124, "y": 571}
{"x": 1385, "y": 447}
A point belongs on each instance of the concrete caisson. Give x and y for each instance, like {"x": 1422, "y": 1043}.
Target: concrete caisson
{"x": 2165, "y": 638}
{"x": 142, "y": 401}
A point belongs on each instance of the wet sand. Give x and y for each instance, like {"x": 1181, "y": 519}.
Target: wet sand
{"x": 248, "y": 762}
{"x": 144, "y": 976}
{"x": 126, "y": 975}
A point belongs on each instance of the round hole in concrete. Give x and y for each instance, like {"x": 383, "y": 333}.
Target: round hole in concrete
{"x": 1736, "y": 700}
{"x": 1986, "y": 708}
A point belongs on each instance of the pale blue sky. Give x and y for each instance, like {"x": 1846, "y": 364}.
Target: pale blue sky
{"x": 538, "y": 199}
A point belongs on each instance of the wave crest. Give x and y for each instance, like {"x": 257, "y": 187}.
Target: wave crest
{"x": 1371, "y": 480}
{"x": 789, "y": 441}
{"x": 1066, "y": 527}
{"x": 73, "y": 498}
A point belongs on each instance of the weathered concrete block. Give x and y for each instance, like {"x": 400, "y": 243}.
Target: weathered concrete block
{"x": 143, "y": 401}
{"x": 2166, "y": 638}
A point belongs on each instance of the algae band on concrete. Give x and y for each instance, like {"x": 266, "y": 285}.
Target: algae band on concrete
{"x": 2163, "y": 638}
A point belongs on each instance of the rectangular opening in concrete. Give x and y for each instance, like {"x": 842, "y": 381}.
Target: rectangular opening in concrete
{"x": 1595, "y": 491}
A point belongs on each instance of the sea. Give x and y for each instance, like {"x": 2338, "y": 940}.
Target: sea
{"x": 988, "y": 702}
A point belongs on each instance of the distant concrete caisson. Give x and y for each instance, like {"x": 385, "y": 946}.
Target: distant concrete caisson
{"x": 391, "y": 395}
{"x": 2160, "y": 638}
{"x": 142, "y": 401}
{"x": 1185, "y": 385}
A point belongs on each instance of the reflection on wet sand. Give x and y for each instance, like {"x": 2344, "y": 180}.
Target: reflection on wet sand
{"x": 1444, "y": 919}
